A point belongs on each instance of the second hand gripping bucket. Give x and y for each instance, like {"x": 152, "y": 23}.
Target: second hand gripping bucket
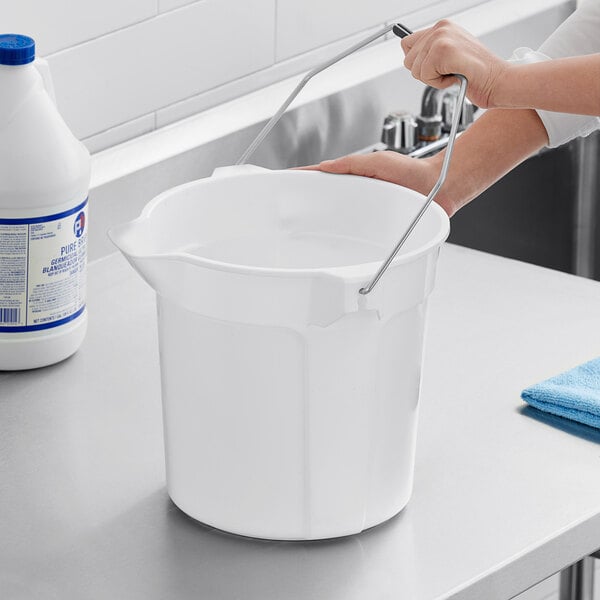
{"x": 290, "y": 400}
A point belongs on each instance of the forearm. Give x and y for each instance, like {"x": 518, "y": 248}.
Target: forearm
{"x": 490, "y": 148}
{"x": 569, "y": 85}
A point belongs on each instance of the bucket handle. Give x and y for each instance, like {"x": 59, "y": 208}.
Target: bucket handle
{"x": 432, "y": 194}
{"x": 401, "y": 31}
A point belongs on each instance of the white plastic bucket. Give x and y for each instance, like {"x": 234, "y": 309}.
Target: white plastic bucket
{"x": 290, "y": 400}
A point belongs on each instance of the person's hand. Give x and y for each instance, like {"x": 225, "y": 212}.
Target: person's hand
{"x": 433, "y": 54}
{"x": 417, "y": 174}
{"x": 496, "y": 143}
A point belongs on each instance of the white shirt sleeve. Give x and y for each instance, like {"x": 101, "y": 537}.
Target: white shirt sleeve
{"x": 579, "y": 34}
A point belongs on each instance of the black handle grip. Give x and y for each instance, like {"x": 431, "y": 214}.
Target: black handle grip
{"x": 401, "y": 30}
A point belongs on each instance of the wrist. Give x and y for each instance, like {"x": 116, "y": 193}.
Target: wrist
{"x": 500, "y": 93}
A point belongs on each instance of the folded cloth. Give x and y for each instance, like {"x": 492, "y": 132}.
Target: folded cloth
{"x": 574, "y": 394}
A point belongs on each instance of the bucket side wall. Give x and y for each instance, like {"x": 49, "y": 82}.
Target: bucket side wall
{"x": 364, "y": 380}
{"x": 277, "y": 434}
{"x": 233, "y": 401}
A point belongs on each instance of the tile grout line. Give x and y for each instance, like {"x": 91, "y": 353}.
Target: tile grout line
{"x": 95, "y": 38}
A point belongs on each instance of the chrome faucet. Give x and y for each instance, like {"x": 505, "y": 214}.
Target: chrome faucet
{"x": 426, "y": 133}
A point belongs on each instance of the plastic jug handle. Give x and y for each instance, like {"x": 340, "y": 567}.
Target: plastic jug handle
{"x": 41, "y": 64}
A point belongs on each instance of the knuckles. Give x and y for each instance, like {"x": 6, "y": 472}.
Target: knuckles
{"x": 444, "y": 25}
{"x": 443, "y": 44}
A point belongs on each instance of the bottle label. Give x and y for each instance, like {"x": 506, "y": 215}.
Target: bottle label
{"x": 43, "y": 270}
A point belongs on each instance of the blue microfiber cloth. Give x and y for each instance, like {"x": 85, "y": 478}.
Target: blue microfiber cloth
{"x": 574, "y": 394}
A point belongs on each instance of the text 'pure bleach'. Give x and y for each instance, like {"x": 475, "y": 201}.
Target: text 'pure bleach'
{"x": 44, "y": 181}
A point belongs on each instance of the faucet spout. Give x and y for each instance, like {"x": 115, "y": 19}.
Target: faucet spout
{"x": 430, "y": 119}
{"x": 431, "y": 102}
{"x": 437, "y": 107}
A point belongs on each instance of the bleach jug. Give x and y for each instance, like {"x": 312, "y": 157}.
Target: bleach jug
{"x": 44, "y": 180}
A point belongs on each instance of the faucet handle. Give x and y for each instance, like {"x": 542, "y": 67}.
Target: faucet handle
{"x": 400, "y": 132}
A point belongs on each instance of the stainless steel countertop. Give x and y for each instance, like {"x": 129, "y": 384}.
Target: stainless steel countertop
{"x": 503, "y": 497}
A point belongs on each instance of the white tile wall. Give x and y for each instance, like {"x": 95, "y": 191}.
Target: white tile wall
{"x": 136, "y": 70}
{"x": 427, "y": 13}
{"x": 305, "y": 25}
{"x": 245, "y": 85}
{"x": 58, "y": 24}
{"x": 302, "y": 26}
{"x": 124, "y": 67}
{"x": 166, "y": 5}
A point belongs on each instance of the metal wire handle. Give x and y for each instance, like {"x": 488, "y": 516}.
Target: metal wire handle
{"x": 433, "y": 193}
{"x": 401, "y": 31}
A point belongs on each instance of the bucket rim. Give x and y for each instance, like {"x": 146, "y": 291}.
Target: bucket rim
{"x": 358, "y": 271}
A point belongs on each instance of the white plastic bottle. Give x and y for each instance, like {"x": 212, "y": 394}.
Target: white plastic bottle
{"x": 44, "y": 181}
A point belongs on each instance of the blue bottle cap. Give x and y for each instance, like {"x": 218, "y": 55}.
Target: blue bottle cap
{"x": 16, "y": 49}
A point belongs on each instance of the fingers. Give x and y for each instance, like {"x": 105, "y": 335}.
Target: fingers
{"x": 430, "y": 51}
{"x": 410, "y": 40}
{"x": 432, "y": 70}
{"x": 306, "y": 168}
{"x": 385, "y": 165}
{"x": 422, "y": 61}
{"x": 351, "y": 165}
{"x": 413, "y": 50}
{"x": 416, "y": 174}
{"x": 354, "y": 164}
